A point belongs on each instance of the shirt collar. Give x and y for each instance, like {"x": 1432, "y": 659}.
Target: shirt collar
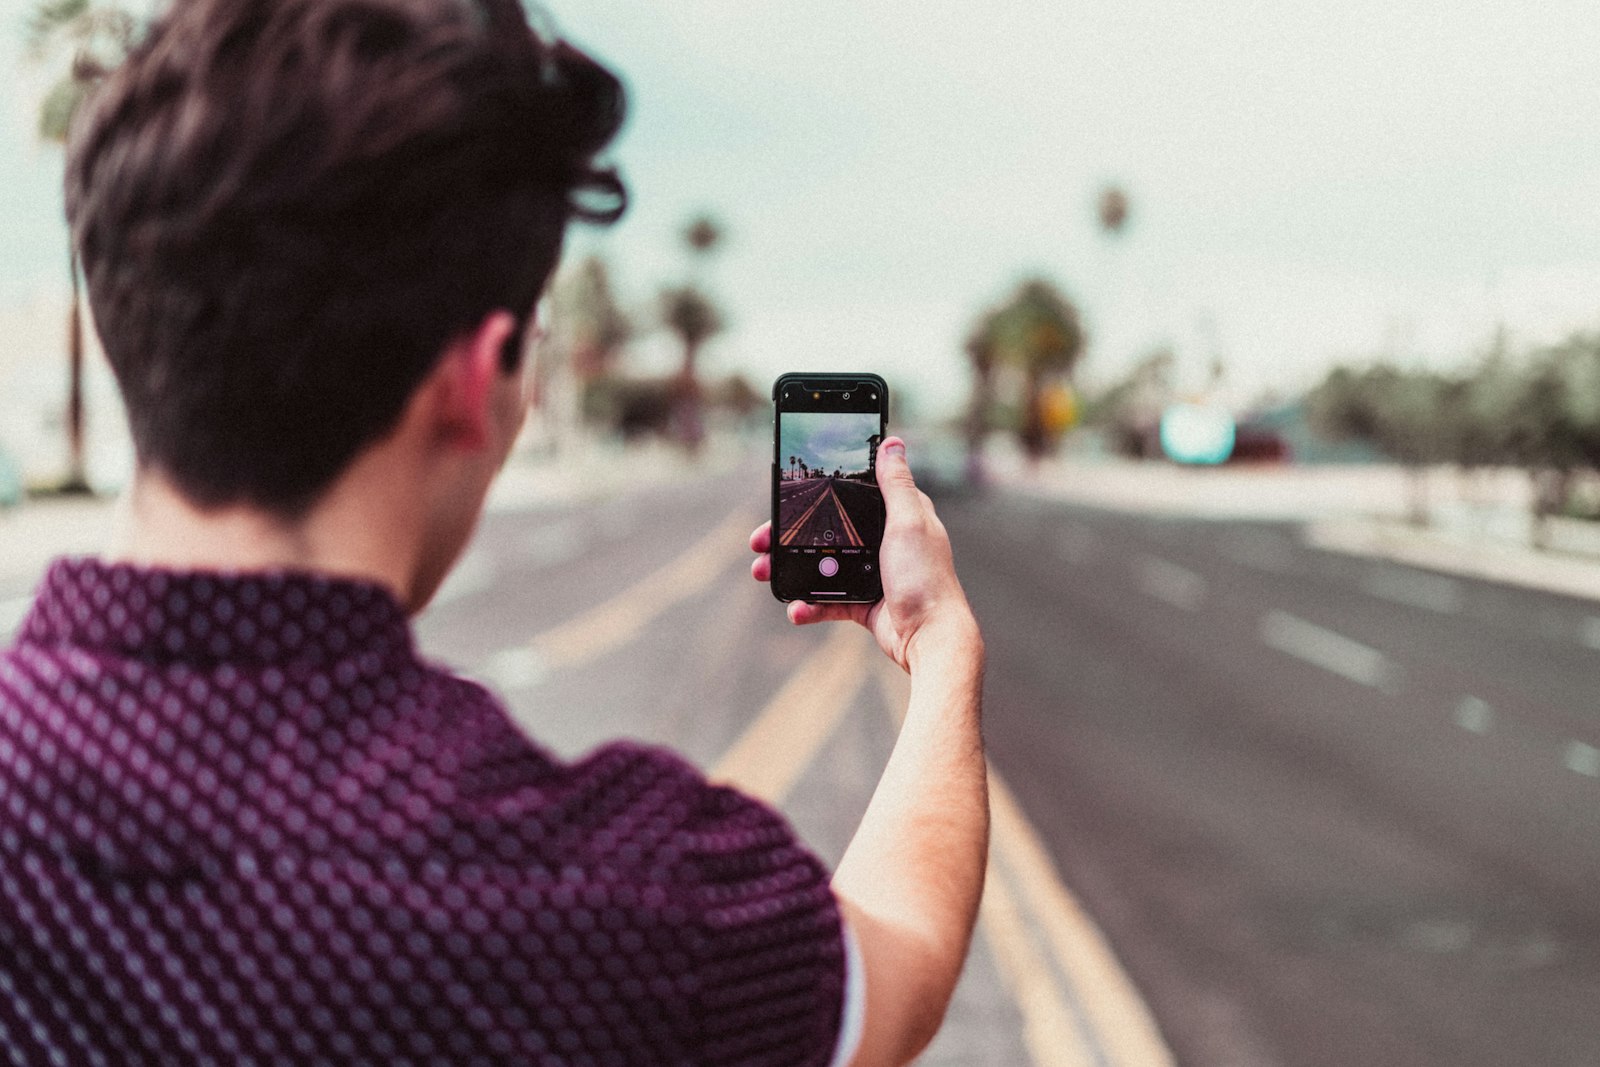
{"x": 277, "y": 617}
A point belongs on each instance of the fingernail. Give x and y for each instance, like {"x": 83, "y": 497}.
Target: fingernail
{"x": 895, "y": 448}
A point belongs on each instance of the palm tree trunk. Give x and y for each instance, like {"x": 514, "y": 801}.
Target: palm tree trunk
{"x": 1033, "y": 415}
{"x": 691, "y": 353}
{"x": 77, "y": 480}
{"x": 687, "y": 414}
{"x": 978, "y": 417}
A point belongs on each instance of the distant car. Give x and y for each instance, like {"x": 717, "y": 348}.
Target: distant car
{"x": 1260, "y": 444}
{"x": 10, "y": 482}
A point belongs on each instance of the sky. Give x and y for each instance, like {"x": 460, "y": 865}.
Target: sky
{"x": 1310, "y": 182}
{"x": 827, "y": 440}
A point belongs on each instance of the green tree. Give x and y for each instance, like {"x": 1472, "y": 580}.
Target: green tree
{"x": 1554, "y": 429}
{"x": 1129, "y": 409}
{"x": 1039, "y": 332}
{"x": 1398, "y": 411}
{"x": 1541, "y": 414}
{"x": 94, "y": 38}
{"x": 1477, "y": 410}
{"x": 691, "y": 315}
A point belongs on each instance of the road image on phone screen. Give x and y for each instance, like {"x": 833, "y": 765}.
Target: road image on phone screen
{"x": 827, "y": 480}
{"x": 827, "y": 511}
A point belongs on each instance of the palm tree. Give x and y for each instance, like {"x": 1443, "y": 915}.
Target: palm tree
{"x": 1038, "y": 331}
{"x": 981, "y": 346}
{"x": 1112, "y": 209}
{"x": 97, "y": 36}
{"x": 703, "y": 234}
{"x": 690, "y": 313}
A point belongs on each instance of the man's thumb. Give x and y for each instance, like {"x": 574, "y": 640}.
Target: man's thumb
{"x": 894, "y": 475}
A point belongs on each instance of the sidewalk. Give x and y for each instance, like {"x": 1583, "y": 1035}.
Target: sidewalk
{"x": 40, "y": 530}
{"x": 1479, "y": 528}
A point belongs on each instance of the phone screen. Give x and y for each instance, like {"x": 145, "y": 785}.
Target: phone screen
{"x": 828, "y": 512}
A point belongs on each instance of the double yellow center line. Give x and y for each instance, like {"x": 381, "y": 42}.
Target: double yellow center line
{"x": 794, "y": 528}
{"x": 1078, "y": 1005}
{"x": 615, "y": 622}
{"x": 851, "y": 536}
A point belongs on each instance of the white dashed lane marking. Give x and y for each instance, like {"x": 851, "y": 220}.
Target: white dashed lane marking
{"x": 1331, "y": 651}
{"x": 1474, "y": 714}
{"x": 1582, "y": 759}
{"x": 1589, "y": 635}
{"x": 1168, "y": 582}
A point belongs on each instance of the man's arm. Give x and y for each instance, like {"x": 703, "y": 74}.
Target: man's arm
{"x": 910, "y": 882}
{"x": 911, "y": 879}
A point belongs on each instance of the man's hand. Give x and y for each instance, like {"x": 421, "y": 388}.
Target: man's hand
{"x": 923, "y": 603}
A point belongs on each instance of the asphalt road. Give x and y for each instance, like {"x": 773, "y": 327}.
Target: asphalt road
{"x": 829, "y": 511}
{"x": 1329, "y": 811}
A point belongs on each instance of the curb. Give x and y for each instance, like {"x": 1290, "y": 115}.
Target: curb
{"x": 1337, "y": 525}
{"x": 1487, "y": 560}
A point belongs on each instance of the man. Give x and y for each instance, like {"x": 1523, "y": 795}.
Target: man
{"x": 240, "y": 820}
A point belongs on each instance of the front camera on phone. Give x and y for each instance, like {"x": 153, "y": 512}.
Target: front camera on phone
{"x": 847, "y": 396}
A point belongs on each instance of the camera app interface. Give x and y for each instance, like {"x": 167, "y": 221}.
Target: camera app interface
{"x": 828, "y": 493}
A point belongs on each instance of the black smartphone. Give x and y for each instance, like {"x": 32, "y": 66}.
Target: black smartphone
{"x": 827, "y": 510}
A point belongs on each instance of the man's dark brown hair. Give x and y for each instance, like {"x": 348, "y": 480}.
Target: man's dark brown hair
{"x": 287, "y": 208}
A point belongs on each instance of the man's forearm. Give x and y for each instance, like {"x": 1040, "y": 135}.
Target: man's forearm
{"x": 917, "y": 860}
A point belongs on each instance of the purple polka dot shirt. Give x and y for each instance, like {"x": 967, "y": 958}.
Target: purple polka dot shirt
{"x": 242, "y": 823}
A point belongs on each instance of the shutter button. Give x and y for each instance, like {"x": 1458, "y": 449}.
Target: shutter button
{"x": 828, "y": 566}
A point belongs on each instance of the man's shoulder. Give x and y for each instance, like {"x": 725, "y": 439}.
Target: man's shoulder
{"x": 645, "y": 797}
{"x": 486, "y": 736}
{"x": 35, "y": 679}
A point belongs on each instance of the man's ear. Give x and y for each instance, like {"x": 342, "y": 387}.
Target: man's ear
{"x": 462, "y": 383}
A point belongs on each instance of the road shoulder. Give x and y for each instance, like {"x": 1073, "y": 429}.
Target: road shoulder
{"x": 1352, "y": 510}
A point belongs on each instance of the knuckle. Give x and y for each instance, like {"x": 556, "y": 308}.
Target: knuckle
{"x": 909, "y": 524}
